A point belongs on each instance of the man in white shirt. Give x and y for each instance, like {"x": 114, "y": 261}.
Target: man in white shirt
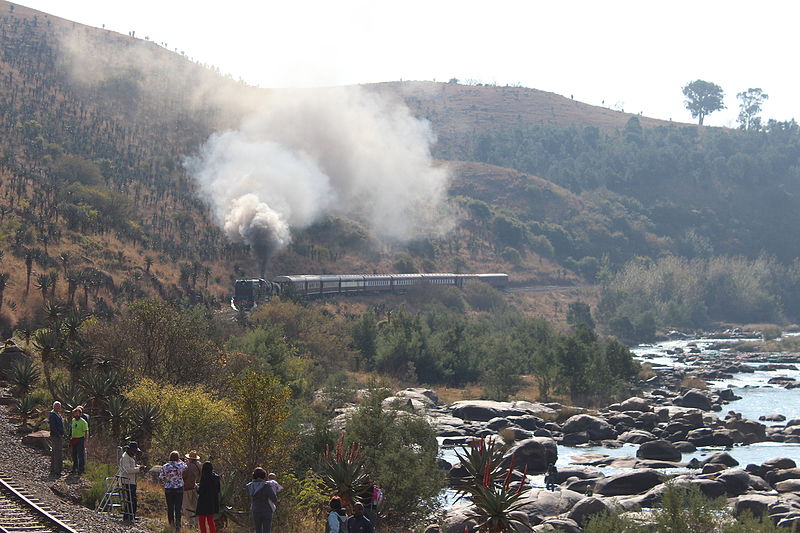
{"x": 127, "y": 474}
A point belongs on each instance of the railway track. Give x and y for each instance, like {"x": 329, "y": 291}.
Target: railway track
{"x": 20, "y": 512}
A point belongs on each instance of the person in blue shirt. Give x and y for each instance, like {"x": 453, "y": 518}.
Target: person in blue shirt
{"x": 358, "y": 523}
{"x": 56, "y": 440}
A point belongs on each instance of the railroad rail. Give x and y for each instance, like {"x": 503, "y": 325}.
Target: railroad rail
{"x": 20, "y": 512}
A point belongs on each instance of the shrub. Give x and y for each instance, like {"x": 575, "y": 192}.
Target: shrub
{"x": 191, "y": 417}
{"x": 400, "y": 452}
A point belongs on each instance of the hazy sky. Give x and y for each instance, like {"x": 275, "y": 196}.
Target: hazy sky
{"x": 631, "y": 55}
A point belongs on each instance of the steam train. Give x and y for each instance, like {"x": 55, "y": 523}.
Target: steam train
{"x": 247, "y": 293}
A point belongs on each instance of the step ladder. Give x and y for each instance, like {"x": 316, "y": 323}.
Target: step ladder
{"x": 116, "y": 496}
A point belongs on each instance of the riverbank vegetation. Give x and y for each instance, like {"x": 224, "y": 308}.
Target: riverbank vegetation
{"x": 277, "y": 387}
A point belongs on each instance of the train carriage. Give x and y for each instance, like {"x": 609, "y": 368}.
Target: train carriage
{"x": 249, "y": 292}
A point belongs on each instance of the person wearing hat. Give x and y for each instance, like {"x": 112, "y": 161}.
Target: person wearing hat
{"x": 191, "y": 477}
{"x": 127, "y": 474}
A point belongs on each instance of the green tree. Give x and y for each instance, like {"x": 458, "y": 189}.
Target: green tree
{"x": 259, "y": 434}
{"x": 703, "y": 98}
{"x": 750, "y": 102}
{"x": 580, "y": 313}
{"x": 400, "y": 453}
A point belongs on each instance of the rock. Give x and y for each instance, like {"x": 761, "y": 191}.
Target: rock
{"x": 586, "y": 508}
{"x": 736, "y": 481}
{"x": 595, "y": 427}
{"x": 560, "y": 525}
{"x": 774, "y": 476}
{"x": 498, "y": 423}
{"x": 685, "y": 446}
{"x": 636, "y": 404}
{"x": 529, "y": 422}
{"x": 541, "y": 503}
{"x": 575, "y": 439}
{"x": 752, "y": 430}
{"x": 483, "y": 410}
{"x": 579, "y": 472}
{"x": 628, "y": 483}
{"x": 773, "y": 417}
{"x": 722, "y": 458}
{"x": 695, "y": 398}
{"x": 536, "y": 453}
{"x": 38, "y": 439}
{"x": 712, "y": 468}
{"x": 456, "y": 520}
{"x": 778, "y": 463}
{"x": 426, "y": 396}
{"x": 709, "y": 437}
{"x": 790, "y": 485}
{"x": 659, "y": 450}
{"x": 709, "y": 487}
{"x": 637, "y": 436}
{"x": 397, "y": 402}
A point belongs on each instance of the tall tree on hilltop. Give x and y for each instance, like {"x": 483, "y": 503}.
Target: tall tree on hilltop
{"x": 750, "y": 102}
{"x": 703, "y": 98}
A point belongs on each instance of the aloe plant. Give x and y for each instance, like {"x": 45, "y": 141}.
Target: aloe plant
{"x": 481, "y": 456}
{"x": 343, "y": 471}
{"x": 24, "y": 377}
{"x": 495, "y": 505}
{"x": 26, "y": 407}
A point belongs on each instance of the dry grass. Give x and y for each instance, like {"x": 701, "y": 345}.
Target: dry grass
{"x": 691, "y": 382}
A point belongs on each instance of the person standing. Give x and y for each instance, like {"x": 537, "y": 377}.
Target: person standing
{"x": 358, "y": 523}
{"x": 337, "y": 518}
{"x": 127, "y": 474}
{"x": 79, "y": 432}
{"x": 261, "y": 495}
{"x": 56, "y": 440}
{"x": 171, "y": 475}
{"x": 371, "y": 498}
{"x": 191, "y": 477}
{"x": 208, "y": 493}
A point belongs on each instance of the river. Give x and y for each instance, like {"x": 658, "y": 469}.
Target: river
{"x": 757, "y": 398}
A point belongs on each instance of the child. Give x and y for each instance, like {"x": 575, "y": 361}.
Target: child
{"x": 272, "y": 481}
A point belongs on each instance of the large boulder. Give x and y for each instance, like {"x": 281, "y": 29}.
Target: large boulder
{"x": 709, "y": 437}
{"x": 696, "y": 399}
{"x": 779, "y": 463}
{"x": 38, "y": 439}
{"x": 751, "y": 430}
{"x": 790, "y": 485}
{"x": 426, "y": 396}
{"x": 636, "y": 436}
{"x": 540, "y": 503}
{"x": 580, "y": 472}
{"x": 594, "y": 426}
{"x": 736, "y": 480}
{"x": 628, "y": 483}
{"x": 536, "y": 453}
{"x": 636, "y": 404}
{"x": 588, "y": 507}
{"x": 755, "y": 504}
{"x": 456, "y": 520}
{"x": 484, "y": 410}
{"x": 721, "y": 458}
{"x": 659, "y": 450}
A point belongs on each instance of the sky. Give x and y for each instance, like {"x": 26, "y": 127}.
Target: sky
{"x": 628, "y": 55}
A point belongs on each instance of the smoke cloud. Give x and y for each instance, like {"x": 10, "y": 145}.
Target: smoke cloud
{"x": 309, "y": 153}
{"x": 281, "y": 159}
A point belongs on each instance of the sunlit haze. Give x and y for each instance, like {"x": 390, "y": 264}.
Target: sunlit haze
{"x": 632, "y": 56}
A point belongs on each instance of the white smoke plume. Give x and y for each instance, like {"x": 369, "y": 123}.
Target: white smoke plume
{"x": 309, "y": 153}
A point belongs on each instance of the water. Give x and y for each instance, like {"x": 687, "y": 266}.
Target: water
{"x": 758, "y": 398}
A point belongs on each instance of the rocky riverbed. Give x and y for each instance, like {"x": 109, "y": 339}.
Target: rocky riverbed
{"x": 627, "y": 451}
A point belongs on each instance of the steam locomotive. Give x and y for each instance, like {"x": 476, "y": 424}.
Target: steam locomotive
{"x": 247, "y": 293}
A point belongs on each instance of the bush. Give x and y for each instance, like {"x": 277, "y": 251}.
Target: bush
{"x": 483, "y": 297}
{"x": 191, "y": 418}
{"x": 400, "y": 452}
